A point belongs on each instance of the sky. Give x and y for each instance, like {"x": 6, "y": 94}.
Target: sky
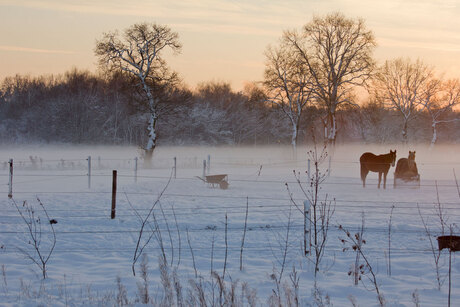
{"x": 223, "y": 40}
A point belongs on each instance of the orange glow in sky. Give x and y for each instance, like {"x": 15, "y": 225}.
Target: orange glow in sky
{"x": 223, "y": 40}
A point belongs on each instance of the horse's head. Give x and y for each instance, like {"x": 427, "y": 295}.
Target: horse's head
{"x": 393, "y": 157}
{"x": 412, "y": 155}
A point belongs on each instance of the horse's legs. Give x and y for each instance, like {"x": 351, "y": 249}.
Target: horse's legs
{"x": 364, "y": 178}
{"x": 380, "y": 178}
{"x": 385, "y": 180}
{"x": 364, "y": 172}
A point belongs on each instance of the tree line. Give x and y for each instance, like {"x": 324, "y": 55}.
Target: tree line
{"x": 80, "y": 107}
{"x": 312, "y": 77}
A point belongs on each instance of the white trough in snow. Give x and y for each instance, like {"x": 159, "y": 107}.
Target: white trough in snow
{"x": 407, "y": 182}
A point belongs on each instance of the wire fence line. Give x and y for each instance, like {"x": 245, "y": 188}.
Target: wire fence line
{"x": 297, "y": 227}
{"x": 188, "y": 162}
{"x": 353, "y": 203}
{"x": 347, "y": 181}
{"x": 104, "y": 213}
{"x": 216, "y": 160}
{"x": 251, "y": 228}
{"x": 268, "y": 210}
{"x": 401, "y": 251}
{"x": 258, "y": 246}
{"x": 107, "y": 215}
{"x": 276, "y": 208}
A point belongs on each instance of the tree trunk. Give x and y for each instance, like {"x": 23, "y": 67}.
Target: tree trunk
{"x": 152, "y": 135}
{"x": 333, "y": 128}
{"x": 294, "y": 138}
{"x": 404, "y": 132}
{"x": 152, "y": 139}
{"x": 435, "y": 135}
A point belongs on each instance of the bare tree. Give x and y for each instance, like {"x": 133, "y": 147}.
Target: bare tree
{"x": 142, "y": 242}
{"x": 443, "y": 223}
{"x": 438, "y": 98}
{"x": 138, "y": 53}
{"x": 287, "y": 83}
{"x": 321, "y": 211}
{"x": 361, "y": 267}
{"x": 244, "y": 233}
{"x": 43, "y": 244}
{"x": 337, "y": 51}
{"x": 277, "y": 275}
{"x": 400, "y": 84}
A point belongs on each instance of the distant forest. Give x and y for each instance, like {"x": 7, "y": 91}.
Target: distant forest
{"x": 80, "y": 107}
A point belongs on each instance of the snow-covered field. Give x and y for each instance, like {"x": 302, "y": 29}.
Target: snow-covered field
{"x": 92, "y": 250}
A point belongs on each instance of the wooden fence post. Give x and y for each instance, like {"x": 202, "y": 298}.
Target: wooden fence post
{"x": 175, "y": 167}
{"x": 89, "y": 172}
{"x": 114, "y": 193}
{"x": 307, "y": 230}
{"x": 135, "y": 169}
{"x": 10, "y": 183}
{"x": 204, "y": 169}
{"x": 209, "y": 163}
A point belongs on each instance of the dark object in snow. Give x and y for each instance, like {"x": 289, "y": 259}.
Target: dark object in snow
{"x": 406, "y": 172}
{"x": 450, "y": 242}
{"x": 453, "y": 244}
{"x": 220, "y": 180}
{"x": 53, "y": 221}
{"x": 380, "y": 164}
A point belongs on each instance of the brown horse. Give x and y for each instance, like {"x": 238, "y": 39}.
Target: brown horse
{"x": 380, "y": 164}
{"x": 406, "y": 168}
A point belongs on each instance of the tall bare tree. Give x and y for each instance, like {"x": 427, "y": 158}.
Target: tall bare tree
{"x": 438, "y": 98}
{"x": 400, "y": 84}
{"x": 337, "y": 51}
{"x": 138, "y": 52}
{"x": 287, "y": 82}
